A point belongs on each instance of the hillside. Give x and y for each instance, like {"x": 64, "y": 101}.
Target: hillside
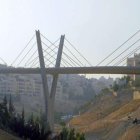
{"x": 101, "y": 106}
{"x": 6, "y": 136}
{"x": 106, "y": 117}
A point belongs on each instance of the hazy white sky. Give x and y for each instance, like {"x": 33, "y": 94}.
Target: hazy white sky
{"x": 95, "y": 27}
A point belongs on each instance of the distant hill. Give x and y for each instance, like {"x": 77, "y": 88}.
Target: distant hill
{"x": 72, "y": 92}
{"x": 77, "y": 90}
{"x": 106, "y": 117}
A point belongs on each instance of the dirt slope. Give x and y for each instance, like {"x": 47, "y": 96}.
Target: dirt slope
{"x": 113, "y": 123}
{"x": 6, "y": 136}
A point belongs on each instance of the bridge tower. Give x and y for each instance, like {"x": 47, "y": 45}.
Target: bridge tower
{"x": 49, "y": 98}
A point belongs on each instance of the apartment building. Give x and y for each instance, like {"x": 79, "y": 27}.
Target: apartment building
{"x": 134, "y": 61}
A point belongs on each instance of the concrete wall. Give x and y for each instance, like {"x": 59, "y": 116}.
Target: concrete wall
{"x": 136, "y": 95}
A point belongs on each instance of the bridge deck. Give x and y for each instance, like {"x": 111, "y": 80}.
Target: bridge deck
{"x": 75, "y": 70}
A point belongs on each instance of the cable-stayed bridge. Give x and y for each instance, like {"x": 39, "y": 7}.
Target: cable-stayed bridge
{"x": 41, "y": 56}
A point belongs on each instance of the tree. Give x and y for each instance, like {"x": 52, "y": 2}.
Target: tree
{"x": 64, "y": 133}
{"x": 23, "y": 116}
{"x": 71, "y": 135}
{"x": 31, "y": 119}
{"x": 82, "y": 137}
{"x": 11, "y": 106}
{"x": 5, "y": 101}
{"x": 115, "y": 86}
{"x": 4, "y": 113}
{"x": 127, "y": 79}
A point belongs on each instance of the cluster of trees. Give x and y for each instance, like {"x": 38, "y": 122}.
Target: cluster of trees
{"x": 136, "y": 83}
{"x": 15, "y": 123}
{"x": 33, "y": 129}
{"x": 71, "y": 135}
{"x": 122, "y": 83}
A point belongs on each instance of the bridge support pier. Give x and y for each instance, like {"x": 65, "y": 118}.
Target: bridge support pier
{"x": 43, "y": 76}
{"x": 49, "y": 97}
{"x": 55, "y": 79}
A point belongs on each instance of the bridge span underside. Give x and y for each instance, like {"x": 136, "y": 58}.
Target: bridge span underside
{"x": 75, "y": 70}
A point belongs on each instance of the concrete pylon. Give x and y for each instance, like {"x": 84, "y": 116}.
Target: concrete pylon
{"x": 44, "y": 77}
{"x": 54, "y": 82}
{"x": 49, "y": 98}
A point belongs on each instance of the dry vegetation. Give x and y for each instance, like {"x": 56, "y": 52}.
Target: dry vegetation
{"x": 113, "y": 118}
